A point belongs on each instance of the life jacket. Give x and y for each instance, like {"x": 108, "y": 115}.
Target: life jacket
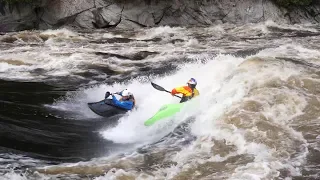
{"x": 187, "y": 92}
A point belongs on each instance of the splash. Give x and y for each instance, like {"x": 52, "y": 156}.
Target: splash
{"x": 251, "y": 119}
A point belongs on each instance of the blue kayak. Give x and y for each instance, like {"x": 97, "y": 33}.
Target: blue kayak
{"x": 106, "y": 108}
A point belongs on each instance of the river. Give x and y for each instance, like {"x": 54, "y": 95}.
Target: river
{"x": 257, "y": 116}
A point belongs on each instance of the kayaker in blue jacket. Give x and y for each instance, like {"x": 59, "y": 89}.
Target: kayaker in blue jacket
{"x": 127, "y": 100}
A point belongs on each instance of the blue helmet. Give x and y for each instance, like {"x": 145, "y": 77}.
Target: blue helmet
{"x": 192, "y": 81}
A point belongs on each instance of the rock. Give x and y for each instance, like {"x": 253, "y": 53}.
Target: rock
{"x": 84, "y": 20}
{"x": 139, "y": 14}
{"x": 317, "y": 18}
{"x": 102, "y": 3}
{"x": 107, "y": 16}
{"x": 19, "y": 16}
{"x": 248, "y": 11}
{"x": 148, "y": 13}
{"x": 146, "y": 19}
{"x": 272, "y": 12}
{"x": 158, "y": 15}
{"x": 57, "y": 11}
{"x": 314, "y": 11}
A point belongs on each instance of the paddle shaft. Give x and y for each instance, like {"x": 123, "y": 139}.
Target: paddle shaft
{"x": 157, "y": 87}
{"x": 174, "y": 95}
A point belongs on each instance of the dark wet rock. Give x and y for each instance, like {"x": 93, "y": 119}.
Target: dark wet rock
{"x": 58, "y": 11}
{"x": 84, "y": 20}
{"x": 108, "y": 16}
{"x": 149, "y": 13}
{"x": 20, "y": 16}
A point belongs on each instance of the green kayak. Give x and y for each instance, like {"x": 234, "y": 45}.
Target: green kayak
{"x": 164, "y": 112}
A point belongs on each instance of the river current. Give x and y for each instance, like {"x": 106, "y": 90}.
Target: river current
{"x": 257, "y": 116}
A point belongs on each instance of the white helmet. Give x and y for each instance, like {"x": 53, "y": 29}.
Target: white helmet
{"x": 126, "y": 92}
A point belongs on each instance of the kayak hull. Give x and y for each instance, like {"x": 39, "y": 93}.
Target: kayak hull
{"x": 165, "y": 111}
{"x": 106, "y": 108}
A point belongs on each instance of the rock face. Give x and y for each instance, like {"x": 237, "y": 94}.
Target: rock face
{"x": 19, "y": 16}
{"x": 44, "y": 14}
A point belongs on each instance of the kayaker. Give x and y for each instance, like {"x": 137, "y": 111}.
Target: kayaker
{"x": 126, "y": 101}
{"x": 188, "y": 92}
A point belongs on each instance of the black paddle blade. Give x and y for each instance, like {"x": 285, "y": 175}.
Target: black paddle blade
{"x": 156, "y": 86}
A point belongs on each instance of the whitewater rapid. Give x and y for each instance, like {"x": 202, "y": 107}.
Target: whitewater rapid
{"x": 224, "y": 82}
{"x": 257, "y": 87}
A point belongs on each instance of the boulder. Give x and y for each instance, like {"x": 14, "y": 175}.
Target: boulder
{"x": 148, "y": 13}
{"x": 19, "y": 16}
{"x": 60, "y": 11}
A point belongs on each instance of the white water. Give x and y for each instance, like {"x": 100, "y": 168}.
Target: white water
{"x": 149, "y": 100}
{"x": 223, "y": 84}
{"x": 218, "y": 94}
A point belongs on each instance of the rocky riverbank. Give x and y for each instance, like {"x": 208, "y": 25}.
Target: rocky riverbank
{"x": 89, "y": 14}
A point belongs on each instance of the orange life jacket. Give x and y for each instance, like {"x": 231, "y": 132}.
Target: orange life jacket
{"x": 186, "y": 91}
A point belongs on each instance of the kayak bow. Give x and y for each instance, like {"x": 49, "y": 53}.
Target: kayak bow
{"x": 165, "y": 111}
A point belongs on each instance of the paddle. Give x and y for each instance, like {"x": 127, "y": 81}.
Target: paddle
{"x": 157, "y": 87}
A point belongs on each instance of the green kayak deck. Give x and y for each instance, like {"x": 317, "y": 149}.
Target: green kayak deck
{"x": 164, "y": 112}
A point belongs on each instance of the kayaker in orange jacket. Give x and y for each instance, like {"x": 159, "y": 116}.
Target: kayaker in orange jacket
{"x": 188, "y": 92}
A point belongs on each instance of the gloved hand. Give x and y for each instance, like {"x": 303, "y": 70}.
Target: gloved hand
{"x": 107, "y": 95}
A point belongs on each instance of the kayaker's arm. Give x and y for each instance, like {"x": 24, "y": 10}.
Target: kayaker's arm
{"x": 122, "y": 104}
{"x": 179, "y": 90}
{"x": 173, "y": 92}
{"x": 119, "y": 93}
